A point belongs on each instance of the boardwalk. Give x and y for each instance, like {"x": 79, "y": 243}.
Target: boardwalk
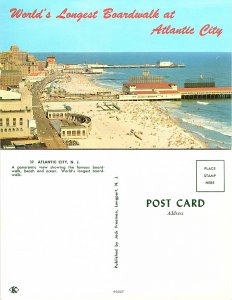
{"x": 46, "y": 133}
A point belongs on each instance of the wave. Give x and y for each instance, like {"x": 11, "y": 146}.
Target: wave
{"x": 202, "y": 103}
{"x": 108, "y": 84}
{"x": 210, "y": 125}
{"x": 209, "y": 139}
{"x": 199, "y": 133}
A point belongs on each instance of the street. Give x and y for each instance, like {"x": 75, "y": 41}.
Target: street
{"x": 46, "y": 133}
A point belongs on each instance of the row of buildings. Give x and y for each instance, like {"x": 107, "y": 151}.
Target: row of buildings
{"x": 17, "y": 65}
{"x": 16, "y": 114}
{"x": 71, "y": 126}
{"x": 18, "y": 71}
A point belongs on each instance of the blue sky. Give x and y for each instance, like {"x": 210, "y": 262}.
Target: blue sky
{"x": 107, "y": 35}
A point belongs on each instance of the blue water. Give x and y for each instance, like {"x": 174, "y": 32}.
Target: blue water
{"x": 210, "y": 122}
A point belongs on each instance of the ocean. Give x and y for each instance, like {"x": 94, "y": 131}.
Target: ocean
{"x": 208, "y": 120}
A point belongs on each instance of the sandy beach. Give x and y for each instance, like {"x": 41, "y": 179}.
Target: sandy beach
{"x": 83, "y": 84}
{"x": 136, "y": 125}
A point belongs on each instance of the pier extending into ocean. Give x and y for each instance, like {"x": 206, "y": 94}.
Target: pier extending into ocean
{"x": 179, "y": 94}
{"x": 206, "y": 93}
{"x": 140, "y": 66}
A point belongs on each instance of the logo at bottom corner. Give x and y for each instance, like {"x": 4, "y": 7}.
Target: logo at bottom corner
{"x": 14, "y": 290}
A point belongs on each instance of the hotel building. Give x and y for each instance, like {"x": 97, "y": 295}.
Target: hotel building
{"x": 16, "y": 64}
{"x": 16, "y": 115}
{"x": 10, "y": 78}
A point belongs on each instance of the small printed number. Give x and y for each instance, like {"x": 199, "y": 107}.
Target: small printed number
{"x": 118, "y": 291}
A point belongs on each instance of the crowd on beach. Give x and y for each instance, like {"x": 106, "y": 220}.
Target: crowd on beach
{"x": 141, "y": 124}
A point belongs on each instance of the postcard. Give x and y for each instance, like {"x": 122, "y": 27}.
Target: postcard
{"x": 115, "y": 135}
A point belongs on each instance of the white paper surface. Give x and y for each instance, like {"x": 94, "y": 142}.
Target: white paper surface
{"x": 58, "y": 229}
{"x": 120, "y": 234}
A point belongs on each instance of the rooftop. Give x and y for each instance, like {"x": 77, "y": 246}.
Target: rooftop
{"x": 35, "y": 74}
{"x": 57, "y": 110}
{"x": 155, "y": 92}
{"x": 205, "y": 89}
{"x": 155, "y": 85}
{"x": 69, "y": 123}
{"x": 7, "y": 95}
{"x": 75, "y": 120}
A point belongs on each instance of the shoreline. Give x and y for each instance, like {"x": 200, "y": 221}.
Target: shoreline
{"x": 134, "y": 126}
{"x": 178, "y": 121}
{"x": 85, "y": 83}
{"x": 102, "y": 84}
{"x": 137, "y": 125}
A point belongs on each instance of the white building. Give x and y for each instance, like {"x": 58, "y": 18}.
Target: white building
{"x": 16, "y": 114}
{"x": 74, "y": 127}
{"x": 55, "y": 114}
{"x": 36, "y": 76}
{"x": 150, "y": 91}
{"x": 165, "y": 64}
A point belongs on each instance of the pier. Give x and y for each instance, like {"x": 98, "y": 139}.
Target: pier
{"x": 139, "y": 66}
{"x": 178, "y": 94}
{"x": 205, "y": 93}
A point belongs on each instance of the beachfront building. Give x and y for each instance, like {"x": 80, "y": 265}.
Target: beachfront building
{"x": 16, "y": 115}
{"x": 51, "y": 63}
{"x": 149, "y": 87}
{"x": 10, "y": 79}
{"x": 152, "y": 87}
{"x": 145, "y": 88}
{"x": 36, "y": 76}
{"x": 57, "y": 114}
{"x": 150, "y": 91}
{"x": 41, "y": 65}
{"x": 51, "y": 60}
{"x": 16, "y": 64}
{"x": 74, "y": 127}
{"x": 16, "y": 59}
